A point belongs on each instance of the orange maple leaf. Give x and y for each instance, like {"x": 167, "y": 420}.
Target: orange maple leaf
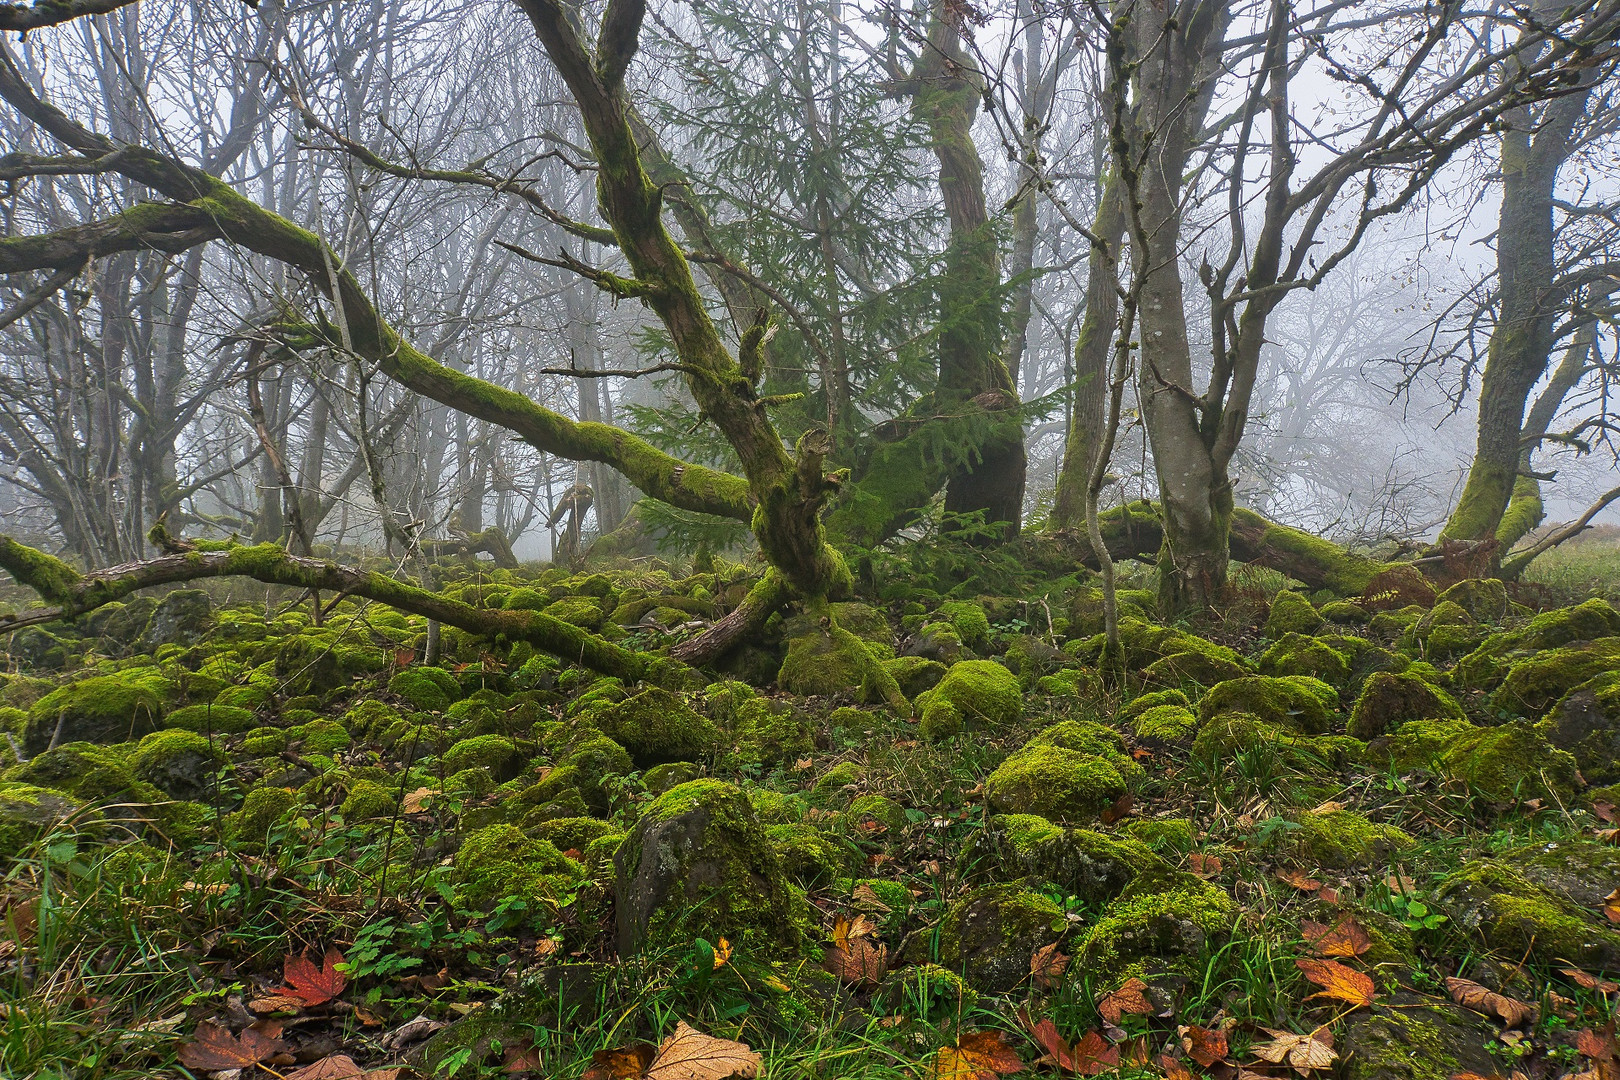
{"x": 1338, "y": 982}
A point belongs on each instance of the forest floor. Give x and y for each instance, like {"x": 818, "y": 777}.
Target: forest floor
{"x": 1333, "y": 839}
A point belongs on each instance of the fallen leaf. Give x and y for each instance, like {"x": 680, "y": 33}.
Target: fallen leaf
{"x": 691, "y": 1055}
{"x": 1400, "y": 883}
{"x": 1328, "y": 895}
{"x": 1092, "y": 1055}
{"x": 1128, "y": 1000}
{"x": 1476, "y": 1076}
{"x": 1471, "y": 995}
{"x": 866, "y": 898}
{"x": 333, "y": 1067}
{"x": 1204, "y": 1045}
{"x": 1608, "y": 836}
{"x": 1345, "y": 938}
{"x": 1122, "y": 806}
{"x": 1591, "y": 982}
{"x": 722, "y": 954}
{"x": 1174, "y": 1069}
{"x": 1338, "y": 982}
{"x": 1204, "y": 866}
{"x": 1604, "y": 811}
{"x": 1611, "y": 906}
{"x": 621, "y": 1063}
{"x": 846, "y": 930}
{"x": 1304, "y": 1053}
{"x": 416, "y": 801}
{"x": 412, "y": 1031}
{"x": 1047, "y": 965}
{"x": 1299, "y": 879}
{"x": 1329, "y": 807}
{"x": 1597, "y": 1045}
{"x": 977, "y": 1055}
{"x": 215, "y": 1049}
{"x": 313, "y": 985}
{"x": 1046, "y": 1035}
{"x": 860, "y": 962}
{"x": 275, "y": 1003}
{"x": 521, "y": 1059}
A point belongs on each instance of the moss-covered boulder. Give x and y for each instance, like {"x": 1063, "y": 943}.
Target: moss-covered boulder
{"x": 1166, "y": 919}
{"x": 220, "y": 719}
{"x": 968, "y": 619}
{"x": 657, "y": 726}
{"x": 1297, "y": 702}
{"x": 1342, "y": 839}
{"x": 1534, "y": 684}
{"x": 868, "y": 811}
{"x": 494, "y": 754}
{"x": 979, "y": 694}
{"x": 500, "y": 861}
{"x": 1517, "y": 918}
{"x": 827, "y": 660}
{"x": 1297, "y": 654}
{"x": 1223, "y": 737}
{"x": 915, "y": 674}
{"x": 1061, "y": 785}
{"x": 261, "y": 810}
{"x": 1090, "y": 865}
{"x": 430, "y": 689}
{"x": 809, "y": 856}
{"x": 1580, "y": 870}
{"x": 1511, "y": 762}
{"x": 1487, "y": 665}
{"x": 27, "y": 813}
{"x": 1586, "y": 722}
{"x": 182, "y": 617}
{"x": 1165, "y": 725}
{"x": 1388, "y": 700}
{"x": 1484, "y": 599}
{"x": 368, "y": 799}
{"x": 100, "y": 709}
{"x": 989, "y": 935}
{"x": 181, "y": 764}
{"x": 1445, "y": 631}
{"x": 660, "y": 778}
{"x": 769, "y": 734}
{"x": 1414, "y": 1038}
{"x": 699, "y": 864}
{"x": 574, "y": 834}
{"x": 1291, "y": 613}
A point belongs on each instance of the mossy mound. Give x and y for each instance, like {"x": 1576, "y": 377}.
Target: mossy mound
{"x": 1533, "y": 685}
{"x": 1586, "y": 722}
{"x": 1061, "y": 785}
{"x": 181, "y": 764}
{"x": 221, "y": 719}
{"x": 1580, "y": 870}
{"x": 1511, "y": 762}
{"x": 968, "y": 619}
{"x": 1484, "y": 599}
{"x": 100, "y": 709}
{"x": 1388, "y": 700}
{"x": 500, "y": 861}
{"x": 915, "y": 674}
{"x": 1297, "y": 654}
{"x": 1444, "y": 632}
{"x": 182, "y": 617}
{"x": 1342, "y": 839}
{"x": 494, "y": 754}
{"x": 657, "y": 726}
{"x": 879, "y": 809}
{"x": 974, "y": 693}
{"x": 27, "y": 813}
{"x": 430, "y": 689}
{"x": 1517, "y": 918}
{"x": 699, "y": 864}
{"x": 1415, "y": 1038}
{"x": 263, "y": 807}
{"x": 1291, "y": 613}
{"x": 1166, "y": 919}
{"x": 829, "y": 660}
{"x": 1090, "y": 865}
{"x": 1487, "y": 665}
{"x": 1223, "y": 737}
{"x": 768, "y": 735}
{"x": 1144, "y": 642}
{"x": 1297, "y": 702}
{"x": 989, "y": 935}
{"x": 808, "y": 855}
{"x": 1165, "y": 725}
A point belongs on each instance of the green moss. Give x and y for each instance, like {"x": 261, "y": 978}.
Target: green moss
{"x": 1517, "y": 918}
{"x": 824, "y": 659}
{"x": 1058, "y": 784}
{"x": 660, "y": 778}
{"x": 830, "y": 786}
{"x": 928, "y": 991}
{"x": 100, "y": 709}
{"x": 1193, "y": 667}
{"x": 220, "y": 719}
{"x": 499, "y": 861}
{"x": 1298, "y": 702}
{"x": 656, "y": 725}
{"x": 368, "y": 799}
{"x": 574, "y": 834}
{"x": 1533, "y": 685}
{"x": 968, "y": 619}
{"x": 1341, "y": 839}
{"x": 1090, "y": 737}
{"x": 1162, "y": 834}
{"x": 1586, "y": 722}
{"x": 321, "y": 737}
{"x": 1296, "y": 654}
{"x": 28, "y": 812}
{"x": 808, "y": 856}
{"x": 180, "y": 763}
{"x": 1512, "y": 761}
{"x": 430, "y": 689}
{"x": 582, "y": 611}
{"x": 1291, "y": 613}
{"x": 1081, "y": 683}
{"x": 1389, "y": 700}
{"x": 1143, "y": 702}
{"x": 1222, "y": 738}
{"x": 989, "y": 935}
{"x": 494, "y": 754}
{"x": 1166, "y": 918}
{"x": 1445, "y": 632}
{"x": 879, "y": 808}
{"x": 1165, "y": 725}
{"x": 777, "y": 807}
{"x": 1090, "y": 865}
{"x": 915, "y": 674}
{"x": 976, "y": 693}
{"x": 1344, "y": 613}
{"x": 768, "y": 736}
{"x": 1484, "y": 599}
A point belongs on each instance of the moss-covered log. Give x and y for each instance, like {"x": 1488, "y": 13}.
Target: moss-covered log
{"x": 73, "y": 594}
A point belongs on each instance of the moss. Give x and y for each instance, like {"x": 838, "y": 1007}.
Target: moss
{"x": 88, "y": 772}
{"x": 221, "y": 719}
{"x": 829, "y": 786}
{"x": 1484, "y": 599}
{"x": 598, "y": 854}
{"x": 1344, "y": 613}
{"x": 879, "y": 808}
{"x": 1162, "y": 834}
{"x": 989, "y": 935}
{"x": 1445, "y": 632}
{"x": 574, "y": 834}
{"x": 768, "y": 736}
{"x": 1341, "y": 839}
{"x": 1519, "y": 919}
{"x": 1586, "y": 722}
{"x": 368, "y": 799}
{"x": 915, "y": 674}
{"x": 1533, "y": 685}
{"x": 430, "y": 689}
{"x": 1143, "y": 702}
{"x": 808, "y": 856}
{"x": 321, "y": 737}
{"x": 824, "y": 659}
{"x": 1080, "y": 683}
{"x": 1188, "y": 668}
{"x": 494, "y": 754}
{"x": 1389, "y": 700}
{"x": 370, "y": 718}
{"x": 1167, "y": 918}
{"x": 182, "y": 764}
{"x": 660, "y": 778}
{"x": 1089, "y": 865}
{"x": 968, "y": 619}
{"x": 1296, "y": 654}
{"x": 1145, "y": 642}
{"x": 597, "y": 758}
{"x": 500, "y": 861}
{"x": 474, "y": 782}
{"x": 927, "y": 991}
{"x": 100, "y": 709}
{"x": 1222, "y": 738}
{"x": 1487, "y": 665}
{"x": 1090, "y": 737}
{"x": 1165, "y": 725}
{"x": 1291, "y": 613}
{"x": 1512, "y": 761}
{"x": 777, "y": 807}
{"x": 582, "y": 611}
{"x": 656, "y": 726}
{"x": 28, "y": 812}
{"x": 1058, "y": 784}
{"x": 1298, "y": 702}
{"x": 977, "y": 693}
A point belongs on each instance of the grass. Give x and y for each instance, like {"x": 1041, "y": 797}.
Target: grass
{"x": 1581, "y": 568}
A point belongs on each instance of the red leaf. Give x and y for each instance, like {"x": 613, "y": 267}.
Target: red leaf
{"x": 216, "y": 1049}
{"x": 1092, "y": 1055}
{"x": 310, "y": 984}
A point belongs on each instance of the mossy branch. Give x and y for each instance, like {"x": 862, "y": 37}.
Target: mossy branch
{"x": 74, "y": 594}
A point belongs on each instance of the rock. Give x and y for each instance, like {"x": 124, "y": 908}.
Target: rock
{"x": 978, "y": 694}
{"x": 823, "y": 661}
{"x": 1090, "y": 865}
{"x": 181, "y": 764}
{"x": 1061, "y": 785}
{"x": 260, "y": 811}
{"x": 968, "y": 619}
{"x": 1581, "y": 871}
{"x": 1414, "y": 1038}
{"x": 219, "y": 719}
{"x": 1342, "y": 839}
{"x": 494, "y": 754}
{"x": 1291, "y": 613}
{"x": 1487, "y": 665}
{"x": 1182, "y": 668}
{"x": 1143, "y": 702}
{"x": 656, "y": 726}
{"x": 27, "y": 813}
{"x": 1446, "y": 631}
{"x": 1533, "y": 685}
{"x": 915, "y": 674}
{"x": 430, "y": 689}
{"x": 660, "y": 778}
{"x": 182, "y": 617}
{"x": 877, "y": 808}
{"x": 368, "y": 799}
{"x": 1586, "y": 722}
{"x": 698, "y": 864}
{"x": 1223, "y": 736}
{"x": 990, "y": 934}
{"x": 1296, "y": 654}
{"x": 1389, "y": 700}
{"x": 500, "y": 861}
{"x": 1165, "y": 725}
{"x": 100, "y": 709}
{"x": 1511, "y": 761}
{"x": 1484, "y": 599}
{"x": 1167, "y": 918}
{"x": 1518, "y": 918}
{"x": 769, "y": 734}
{"x": 808, "y": 855}
{"x": 1296, "y": 702}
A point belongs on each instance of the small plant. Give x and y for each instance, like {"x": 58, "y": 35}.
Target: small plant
{"x": 1413, "y": 913}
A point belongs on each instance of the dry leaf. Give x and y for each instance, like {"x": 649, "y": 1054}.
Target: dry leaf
{"x": 977, "y": 1055}
{"x": 1204, "y": 866}
{"x": 1604, "y": 811}
{"x": 275, "y": 1003}
{"x": 1329, "y": 807}
{"x": 1173, "y": 1069}
{"x": 1047, "y": 1037}
{"x": 412, "y": 1031}
{"x": 621, "y": 1063}
{"x": 1400, "y": 883}
{"x": 416, "y": 801}
{"x": 1129, "y": 1000}
{"x": 1047, "y": 965}
{"x": 1328, "y": 895}
{"x": 691, "y": 1055}
{"x": 1590, "y": 982}
{"x": 1471, "y": 995}
{"x": 1597, "y": 1045}
{"x": 333, "y": 1067}
{"x": 1338, "y": 982}
{"x": 1122, "y": 806}
{"x": 1304, "y": 1053}
{"x": 858, "y": 961}
{"x": 216, "y": 1049}
{"x": 1092, "y": 1055}
{"x": 846, "y": 930}
{"x": 1299, "y": 879}
{"x": 521, "y": 1059}
{"x": 1476, "y": 1076}
{"x": 313, "y": 985}
{"x": 1346, "y": 938}
{"x": 1204, "y": 1045}
{"x": 722, "y": 954}
{"x": 1611, "y": 906}
{"x": 866, "y": 898}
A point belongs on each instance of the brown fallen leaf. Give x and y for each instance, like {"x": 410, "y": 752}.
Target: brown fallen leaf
{"x": 1046, "y": 966}
{"x": 846, "y": 930}
{"x": 722, "y": 954}
{"x": 1303, "y": 1053}
{"x": 313, "y": 985}
{"x": 1299, "y": 879}
{"x": 866, "y": 898}
{"x": 1204, "y": 1045}
{"x": 416, "y": 801}
{"x": 1328, "y": 895}
{"x": 1204, "y": 866}
{"x": 215, "y": 1049}
{"x": 859, "y": 962}
{"x": 1129, "y": 1000}
{"x": 977, "y": 1055}
{"x": 1590, "y": 982}
{"x": 521, "y": 1059}
{"x": 1611, "y": 906}
{"x": 691, "y": 1055}
{"x": 1174, "y": 1069}
{"x": 1477, "y": 1076}
{"x": 1122, "y": 807}
{"x": 621, "y": 1062}
{"x": 1346, "y": 938}
{"x": 1338, "y": 982}
{"x": 1400, "y": 883}
{"x": 1047, "y": 1037}
{"x": 272, "y": 1003}
{"x": 339, "y": 1067}
{"x": 1092, "y": 1055}
{"x": 1329, "y": 807}
{"x": 1471, "y": 995}
{"x": 1605, "y": 811}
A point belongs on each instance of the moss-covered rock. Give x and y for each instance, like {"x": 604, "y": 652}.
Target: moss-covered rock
{"x": 1534, "y": 684}
{"x": 27, "y": 813}
{"x": 1345, "y": 613}
{"x": 182, "y": 617}
{"x": 660, "y": 778}
{"x": 915, "y": 674}
{"x": 1342, "y": 839}
{"x": 1388, "y": 700}
{"x": 1165, "y": 725}
{"x": 1192, "y": 667}
{"x": 1487, "y": 665}
{"x": 1413, "y": 1038}
{"x": 1580, "y": 870}
{"x": 657, "y": 726}
{"x": 968, "y": 619}
{"x": 1296, "y": 654}
{"x": 261, "y": 810}
{"x": 879, "y": 809}
{"x": 769, "y": 734}
{"x": 1484, "y": 599}
{"x": 699, "y": 864}
{"x": 979, "y": 694}
{"x": 430, "y": 689}
{"x": 828, "y": 660}
{"x": 1517, "y": 918}
{"x": 494, "y": 754}
{"x": 500, "y": 861}
{"x": 321, "y": 736}
{"x": 989, "y": 935}
{"x": 1078, "y": 683}
{"x": 833, "y": 786}
{"x": 581, "y": 611}
{"x": 1162, "y": 834}
{"x": 100, "y": 709}
{"x": 1092, "y": 866}
{"x": 574, "y": 834}
{"x": 219, "y": 719}
{"x": 809, "y": 856}
{"x": 369, "y": 799}
{"x": 1163, "y": 918}
{"x": 181, "y": 764}
{"x": 1291, "y": 613}
{"x": 1586, "y": 722}
{"x": 1061, "y": 785}
{"x": 1223, "y": 737}
{"x": 1513, "y": 761}
{"x": 1297, "y": 702}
